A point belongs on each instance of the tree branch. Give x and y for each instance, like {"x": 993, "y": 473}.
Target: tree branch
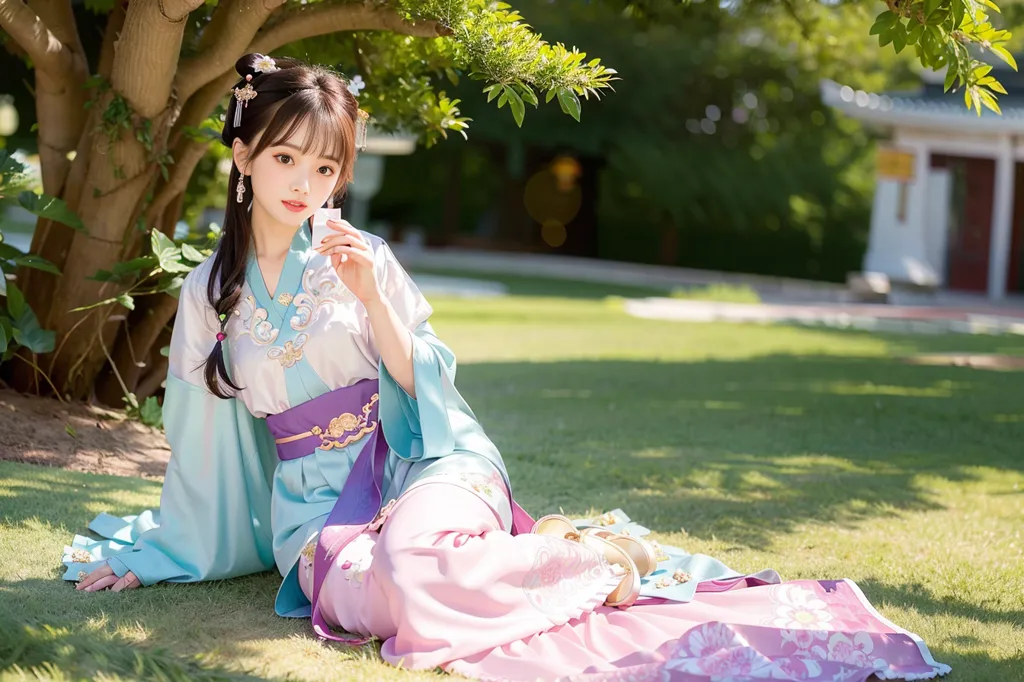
{"x": 187, "y": 156}
{"x": 111, "y": 34}
{"x": 306, "y": 21}
{"x": 232, "y": 27}
{"x": 35, "y": 38}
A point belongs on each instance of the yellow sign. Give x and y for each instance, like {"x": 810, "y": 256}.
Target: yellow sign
{"x": 893, "y": 164}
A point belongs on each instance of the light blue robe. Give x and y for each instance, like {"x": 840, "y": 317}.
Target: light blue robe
{"x": 228, "y": 506}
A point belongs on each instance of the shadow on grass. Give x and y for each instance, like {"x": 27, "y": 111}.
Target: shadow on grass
{"x": 727, "y": 446}
{"x": 957, "y": 650}
{"x": 731, "y": 447}
{"x": 84, "y": 644}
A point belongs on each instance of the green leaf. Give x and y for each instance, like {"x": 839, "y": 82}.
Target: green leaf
{"x": 502, "y": 99}
{"x": 70, "y": 430}
{"x": 150, "y": 413}
{"x": 492, "y": 92}
{"x": 50, "y": 208}
{"x": 171, "y": 284}
{"x": 569, "y": 102}
{"x": 192, "y": 253}
{"x": 529, "y": 96}
{"x": 4, "y": 340}
{"x": 1005, "y": 55}
{"x": 167, "y": 254}
{"x": 899, "y": 38}
{"x": 8, "y": 252}
{"x": 515, "y": 102}
{"x": 37, "y": 262}
{"x": 989, "y": 101}
{"x": 914, "y": 34}
{"x": 16, "y": 305}
{"x": 126, "y": 300}
{"x": 950, "y": 78}
{"x": 27, "y": 331}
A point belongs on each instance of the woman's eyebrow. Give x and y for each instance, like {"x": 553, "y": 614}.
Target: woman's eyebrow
{"x": 299, "y": 149}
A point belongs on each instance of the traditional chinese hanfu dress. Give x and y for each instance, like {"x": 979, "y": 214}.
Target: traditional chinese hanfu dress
{"x": 392, "y": 517}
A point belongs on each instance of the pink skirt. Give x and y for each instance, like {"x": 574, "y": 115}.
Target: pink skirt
{"x": 445, "y": 585}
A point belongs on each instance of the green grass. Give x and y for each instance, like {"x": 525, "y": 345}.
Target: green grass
{"x": 815, "y": 452}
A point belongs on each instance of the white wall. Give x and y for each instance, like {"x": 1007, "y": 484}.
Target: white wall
{"x": 936, "y": 227}
{"x": 899, "y": 248}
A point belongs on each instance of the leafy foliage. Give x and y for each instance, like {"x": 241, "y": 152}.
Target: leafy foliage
{"x": 19, "y": 325}
{"x": 948, "y": 34}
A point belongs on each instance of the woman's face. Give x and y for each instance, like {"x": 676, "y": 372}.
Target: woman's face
{"x": 289, "y": 186}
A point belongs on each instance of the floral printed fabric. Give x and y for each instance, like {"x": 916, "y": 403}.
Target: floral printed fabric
{"x": 806, "y": 630}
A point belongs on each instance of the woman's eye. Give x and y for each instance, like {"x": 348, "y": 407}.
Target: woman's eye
{"x": 282, "y": 157}
{"x": 330, "y": 171}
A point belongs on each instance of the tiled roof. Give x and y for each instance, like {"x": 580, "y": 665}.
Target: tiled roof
{"x": 928, "y": 108}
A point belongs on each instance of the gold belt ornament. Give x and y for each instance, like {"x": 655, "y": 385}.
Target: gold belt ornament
{"x": 330, "y": 437}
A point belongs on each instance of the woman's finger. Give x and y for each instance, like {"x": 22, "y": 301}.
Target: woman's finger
{"x": 342, "y": 240}
{"x": 346, "y": 227}
{"x": 97, "y": 573}
{"x": 103, "y": 583}
{"x": 127, "y": 582}
{"x": 355, "y": 254}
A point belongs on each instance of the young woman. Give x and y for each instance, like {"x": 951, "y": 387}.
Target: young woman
{"x": 315, "y": 426}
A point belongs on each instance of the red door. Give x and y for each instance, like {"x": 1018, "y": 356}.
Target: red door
{"x": 970, "y": 223}
{"x": 1015, "y": 273}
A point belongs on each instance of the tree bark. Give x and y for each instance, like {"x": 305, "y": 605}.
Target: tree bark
{"x": 107, "y": 181}
{"x": 143, "y": 329}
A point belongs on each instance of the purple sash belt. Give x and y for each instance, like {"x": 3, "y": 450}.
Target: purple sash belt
{"x": 333, "y": 421}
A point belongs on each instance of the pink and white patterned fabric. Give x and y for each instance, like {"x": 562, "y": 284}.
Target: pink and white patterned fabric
{"x": 443, "y": 584}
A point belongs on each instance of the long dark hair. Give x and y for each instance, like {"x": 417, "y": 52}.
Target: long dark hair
{"x": 294, "y": 94}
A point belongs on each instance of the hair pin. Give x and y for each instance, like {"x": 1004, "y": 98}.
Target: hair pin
{"x": 362, "y": 121}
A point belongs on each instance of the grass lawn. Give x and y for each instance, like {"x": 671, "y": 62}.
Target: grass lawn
{"x": 815, "y": 452}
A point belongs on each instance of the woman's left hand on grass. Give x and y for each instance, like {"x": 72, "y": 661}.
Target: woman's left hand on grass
{"x": 352, "y": 258}
{"x": 104, "y": 578}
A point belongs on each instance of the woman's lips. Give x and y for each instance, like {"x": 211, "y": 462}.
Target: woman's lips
{"x": 294, "y": 206}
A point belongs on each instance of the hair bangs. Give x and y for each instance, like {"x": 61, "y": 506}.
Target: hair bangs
{"x": 324, "y": 135}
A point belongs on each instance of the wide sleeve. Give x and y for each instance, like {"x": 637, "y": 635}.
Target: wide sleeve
{"x": 438, "y": 421}
{"x": 399, "y": 288}
{"x": 214, "y": 515}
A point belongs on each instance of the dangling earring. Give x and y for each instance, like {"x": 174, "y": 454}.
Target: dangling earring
{"x": 240, "y": 188}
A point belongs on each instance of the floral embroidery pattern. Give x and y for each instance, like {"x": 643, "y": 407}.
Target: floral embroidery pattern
{"x": 315, "y": 298}
{"x": 255, "y": 324}
{"x": 563, "y": 577}
{"x": 290, "y": 353}
{"x": 796, "y": 607}
{"x": 285, "y": 298}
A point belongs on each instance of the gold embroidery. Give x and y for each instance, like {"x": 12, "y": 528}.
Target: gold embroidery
{"x": 338, "y": 427}
{"x": 256, "y": 326}
{"x": 80, "y": 556}
{"x": 317, "y": 297}
{"x": 285, "y": 299}
{"x": 309, "y": 551}
{"x": 290, "y": 353}
{"x": 82, "y": 575}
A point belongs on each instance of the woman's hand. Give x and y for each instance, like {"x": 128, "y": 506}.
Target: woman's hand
{"x": 352, "y": 258}
{"x": 103, "y": 578}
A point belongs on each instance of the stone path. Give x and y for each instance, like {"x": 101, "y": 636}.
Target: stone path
{"x": 889, "y": 318}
